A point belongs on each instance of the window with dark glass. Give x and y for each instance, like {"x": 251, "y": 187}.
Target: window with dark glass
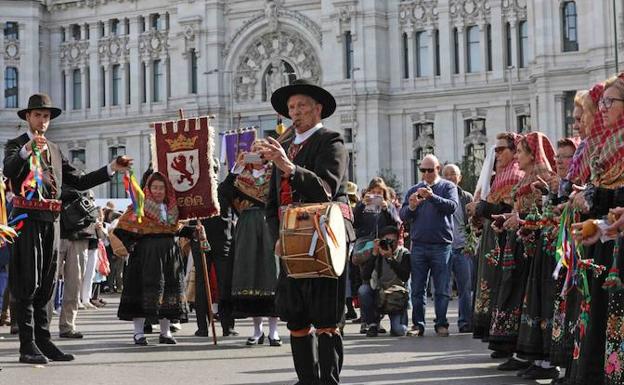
{"x": 157, "y": 81}
{"x": 103, "y": 85}
{"x": 508, "y": 46}
{"x": 524, "y": 124}
{"x": 144, "y": 82}
{"x": 348, "y": 135}
{"x": 78, "y": 158}
{"x": 423, "y": 61}
{"x": 405, "y": 42}
{"x": 116, "y": 188}
{"x": 568, "y": 108}
{"x": 77, "y": 89}
{"x": 348, "y": 52}
{"x": 456, "y": 50}
{"x": 570, "y": 27}
{"x": 523, "y": 44}
{"x": 114, "y": 27}
{"x": 116, "y": 84}
{"x": 488, "y": 33}
{"x": 128, "y": 84}
{"x": 473, "y": 50}
{"x": 75, "y": 31}
{"x": 11, "y": 87}
{"x": 193, "y": 71}
{"x": 156, "y": 21}
{"x": 11, "y": 30}
{"x": 437, "y": 52}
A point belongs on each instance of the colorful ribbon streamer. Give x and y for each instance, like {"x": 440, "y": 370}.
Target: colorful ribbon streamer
{"x": 133, "y": 189}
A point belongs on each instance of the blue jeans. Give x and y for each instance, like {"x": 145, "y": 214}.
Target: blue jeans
{"x": 434, "y": 258}
{"x": 4, "y": 280}
{"x": 368, "y": 307}
{"x": 461, "y": 266}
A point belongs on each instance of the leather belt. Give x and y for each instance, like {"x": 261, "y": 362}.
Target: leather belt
{"x": 52, "y": 205}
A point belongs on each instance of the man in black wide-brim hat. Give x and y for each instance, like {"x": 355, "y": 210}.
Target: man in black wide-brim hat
{"x": 34, "y": 253}
{"x": 310, "y": 167}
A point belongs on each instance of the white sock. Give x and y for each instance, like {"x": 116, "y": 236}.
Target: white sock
{"x": 164, "y": 327}
{"x": 546, "y": 364}
{"x": 273, "y": 328}
{"x": 515, "y": 356}
{"x": 257, "y": 323}
{"x": 138, "y": 327}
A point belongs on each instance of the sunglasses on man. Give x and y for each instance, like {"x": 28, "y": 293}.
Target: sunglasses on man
{"x": 426, "y": 170}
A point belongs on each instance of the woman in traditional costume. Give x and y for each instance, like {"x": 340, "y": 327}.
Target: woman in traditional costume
{"x": 153, "y": 278}
{"x": 497, "y": 201}
{"x": 535, "y": 157}
{"x": 256, "y": 268}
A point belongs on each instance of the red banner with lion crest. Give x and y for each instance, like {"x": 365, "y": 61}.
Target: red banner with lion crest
{"x": 184, "y": 152}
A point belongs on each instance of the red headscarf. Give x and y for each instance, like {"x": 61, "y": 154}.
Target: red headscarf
{"x": 152, "y": 208}
{"x": 505, "y": 179}
{"x": 543, "y": 167}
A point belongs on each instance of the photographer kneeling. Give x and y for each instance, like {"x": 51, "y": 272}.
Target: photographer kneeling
{"x": 384, "y": 290}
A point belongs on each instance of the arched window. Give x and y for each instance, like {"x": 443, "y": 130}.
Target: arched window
{"x": 570, "y": 27}
{"x": 10, "y": 87}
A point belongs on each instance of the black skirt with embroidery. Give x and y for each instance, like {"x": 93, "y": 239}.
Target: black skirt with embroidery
{"x": 153, "y": 281}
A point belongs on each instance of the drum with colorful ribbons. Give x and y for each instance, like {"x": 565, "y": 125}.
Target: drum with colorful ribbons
{"x": 313, "y": 240}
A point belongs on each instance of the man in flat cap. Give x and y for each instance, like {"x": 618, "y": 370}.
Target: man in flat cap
{"x": 34, "y": 254}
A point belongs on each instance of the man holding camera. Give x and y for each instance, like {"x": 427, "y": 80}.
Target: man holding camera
{"x": 428, "y": 209}
{"x": 34, "y": 253}
{"x": 384, "y": 288}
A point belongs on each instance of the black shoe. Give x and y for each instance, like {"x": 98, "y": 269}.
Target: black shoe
{"x": 524, "y": 371}
{"x": 140, "y": 341}
{"x": 465, "y": 329}
{"x": 71, "y": 334}
{"x": 14, "y": 329}
{"x": 230, "y": 332}
{"x": 275, "y": 342}
{"x": 498, "y": 354}
{"x": 381, "y": 330}
{"x": 513, "y": 364}
{"x": 373, "y": 331}
{"x": 256, "y": 341}
{"x": 147, "y": 329}
{"x": 166, "y": 340}
{"x": 34, "y": 359}
{"x": 358, "y": 320}
{"x": 50, "y": 350}
{"x": 363, "y": 328}
{"x": 351, "y": 315}
{"x": 540, "y": 373}
{"x": 558, "y": 381}
{"x": 417, "y": 331}
{"x": 201, "y": 333}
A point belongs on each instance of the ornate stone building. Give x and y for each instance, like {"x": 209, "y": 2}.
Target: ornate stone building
{"x": 410, "y": 76}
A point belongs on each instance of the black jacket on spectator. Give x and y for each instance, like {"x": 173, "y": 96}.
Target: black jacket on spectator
{"x": 401, "y": 269}
{"x": 367, "y": 224}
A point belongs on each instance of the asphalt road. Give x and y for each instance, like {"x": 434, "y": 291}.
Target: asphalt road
{"x": 108, "y": 356}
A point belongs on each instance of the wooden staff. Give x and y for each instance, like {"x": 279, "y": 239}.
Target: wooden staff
{"x": 207, "y": 284}
{"x": 204, "y": 269}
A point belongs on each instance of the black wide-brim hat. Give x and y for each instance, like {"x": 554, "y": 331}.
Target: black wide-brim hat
{"x": 40, "y": 102}
{"x": 280, "y": 97}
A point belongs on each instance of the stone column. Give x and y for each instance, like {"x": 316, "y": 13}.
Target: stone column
{"x": 135, "y": 65}
{"x": 514, "y": 42}
{"x": 148, "y": 83}
{"x": 461, "y": 42}
{"x": 83, "y": 95}
{"x": 123, "y": 102}
{"x": 108, "y": 88}
{"x": 411, "y": 65}
{"x": 484, "y": 52}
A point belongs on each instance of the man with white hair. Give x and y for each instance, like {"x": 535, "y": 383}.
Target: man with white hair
{"x": 461, "y": 264}
{"x": 428, "y": 209}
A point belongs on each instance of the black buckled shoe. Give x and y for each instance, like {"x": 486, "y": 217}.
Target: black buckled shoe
{"x": 255, "y": 341}
{"x": 275, "y": 342}
{"x": 513, "y": 364}
{"x": 142, "y": 341}
{"x": 166, "y": 340}
{"x": 33, "y": 359}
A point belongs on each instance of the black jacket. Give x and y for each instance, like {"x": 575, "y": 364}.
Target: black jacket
{"x": 320, "y": 174}
{"x": 17, "y": 169}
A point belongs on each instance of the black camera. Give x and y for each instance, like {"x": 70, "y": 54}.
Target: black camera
{"x": 386, "y": 244}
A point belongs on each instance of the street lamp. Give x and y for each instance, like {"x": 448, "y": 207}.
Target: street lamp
{"x": 511, "y": 119}
{"x": 353, "y": 121}
{"x": 217, "y": 70}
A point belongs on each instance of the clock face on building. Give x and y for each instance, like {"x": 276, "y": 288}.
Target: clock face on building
{"x": 155, "y": 43}
{"x": 12, "y": 50}
{"x": 74, "y": 52}
{"x": 114, "y": 47}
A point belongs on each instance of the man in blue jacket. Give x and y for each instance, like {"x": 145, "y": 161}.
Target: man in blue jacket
{"x": 428, "y": 208}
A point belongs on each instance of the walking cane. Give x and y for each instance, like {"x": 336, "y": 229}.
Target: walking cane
{"x": 207, "y": 282}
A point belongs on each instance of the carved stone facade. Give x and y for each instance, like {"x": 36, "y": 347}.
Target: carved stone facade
{"x": 399, "y": 70}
